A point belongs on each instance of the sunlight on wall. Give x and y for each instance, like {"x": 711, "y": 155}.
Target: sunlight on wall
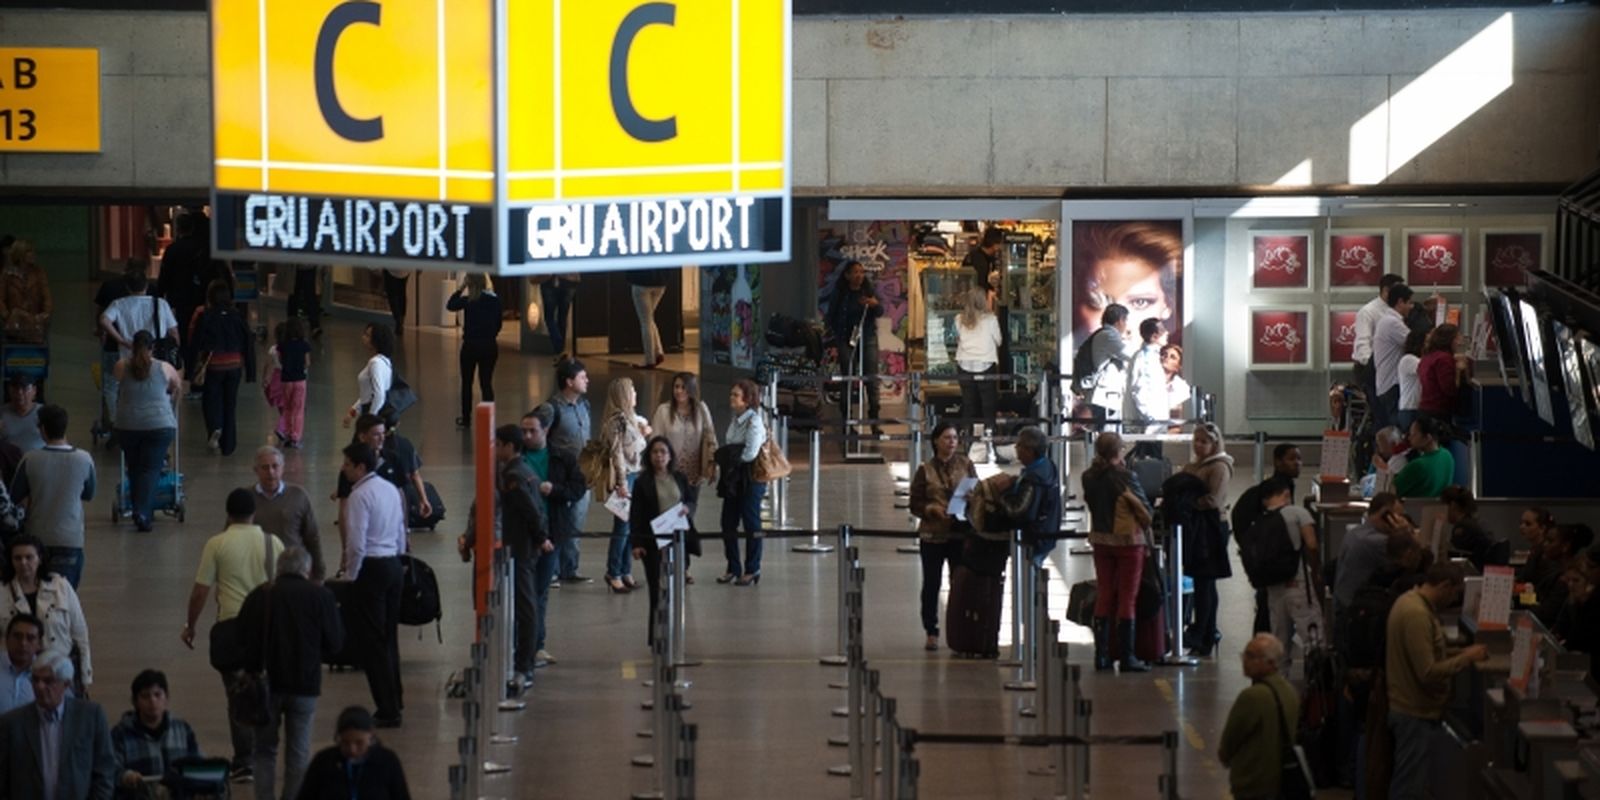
{"x": 1417, "y": 116}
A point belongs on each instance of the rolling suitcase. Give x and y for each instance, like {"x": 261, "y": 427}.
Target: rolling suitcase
{"x": 1150, "y": 637}
{"x": 972, "y": 616}
{"x": 415, "y": 520}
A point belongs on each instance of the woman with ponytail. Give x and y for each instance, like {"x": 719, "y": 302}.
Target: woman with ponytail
{"x": 146, "y": 421}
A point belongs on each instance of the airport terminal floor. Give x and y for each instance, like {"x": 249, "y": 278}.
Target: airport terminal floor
{"x": 761, "y": 700}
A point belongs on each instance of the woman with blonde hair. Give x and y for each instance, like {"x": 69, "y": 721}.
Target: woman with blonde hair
{"x": 624, "y": 434}
{"x": 685, "y": 420}
{"x": 480, "y": 331}
{"x": 1205, "y": 545}
{"x": 978, "y": 353}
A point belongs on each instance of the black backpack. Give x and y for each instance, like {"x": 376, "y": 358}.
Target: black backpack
{"x": 1368, "y": 630}
{"x": 1084, "y": 370}
{"x": 419, "y": 594}
{"x": 1247, "y": 509}
{"x": 1269, "y": 557}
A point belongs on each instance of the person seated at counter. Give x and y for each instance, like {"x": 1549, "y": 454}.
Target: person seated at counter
{"x": 1534, "y": 525}
{"x": 1389, "y": 459}
{"x": 1561, "y": 549}
{"x": 1430, "y": 467}
{"x": 1467, "y": 536}
{"x": 1405, "y": 561}
{"x": 1578, "y": 622}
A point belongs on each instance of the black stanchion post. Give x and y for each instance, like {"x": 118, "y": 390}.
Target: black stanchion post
{"x": 1261, "y": 455}
{"x": 688, "y": 735}
{"x": 840, "y": 658}
{"x": 1169, "y": 777}
{"x": 871, "y": 719}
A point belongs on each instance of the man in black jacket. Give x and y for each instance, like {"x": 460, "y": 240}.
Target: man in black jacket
{"x": 288, "y": 626}
{"x": 561, "y": 485}
{"x": 522, "y": 529}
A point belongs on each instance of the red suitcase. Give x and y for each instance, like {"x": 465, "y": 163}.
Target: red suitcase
{"x": 1150, "y": 638}
{"x": 972, "y": 615}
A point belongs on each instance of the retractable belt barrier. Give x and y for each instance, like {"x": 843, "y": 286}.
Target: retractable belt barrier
{"x": 883, "y": 764}
{"x": 672, "y": 759}
{"x": 487, "y": 672}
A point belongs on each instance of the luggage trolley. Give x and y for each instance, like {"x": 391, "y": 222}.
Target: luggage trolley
{"x": 23, "y": 357}
{"x": 169, "y": 486}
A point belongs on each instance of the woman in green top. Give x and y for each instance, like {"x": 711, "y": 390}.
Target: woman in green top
{"x": 1430, "y": 467}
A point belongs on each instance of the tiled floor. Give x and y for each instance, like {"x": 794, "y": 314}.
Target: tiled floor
{"x": 761, "y": 700}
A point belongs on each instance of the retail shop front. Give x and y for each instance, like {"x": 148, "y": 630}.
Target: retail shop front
{"x": 1259, "y": 294}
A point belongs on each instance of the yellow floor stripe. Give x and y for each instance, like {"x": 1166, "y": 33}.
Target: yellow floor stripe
{"x": 629, "y": 671}
{"x": 1193, "y": 736}
{"x": 1195, "y": 740}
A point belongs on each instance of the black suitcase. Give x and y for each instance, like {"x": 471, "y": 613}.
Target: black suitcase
{"x": 1080, "y": 602}
{"x": 415, "y": 520}
{"x": 972, "y": 617}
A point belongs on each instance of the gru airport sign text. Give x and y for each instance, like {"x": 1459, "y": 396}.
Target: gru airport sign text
{"x": 514, "y": 136}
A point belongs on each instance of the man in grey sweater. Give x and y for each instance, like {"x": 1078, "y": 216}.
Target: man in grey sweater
{"x": 53, "y": 483}
{"x": 285, "y": 509}
{"x": 569, "y": 432}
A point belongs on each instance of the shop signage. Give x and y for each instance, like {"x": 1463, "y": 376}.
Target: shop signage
{"x": 1280, "y": 338}
{"x": 49, "y": 100}
{"x": 520, "y": 138}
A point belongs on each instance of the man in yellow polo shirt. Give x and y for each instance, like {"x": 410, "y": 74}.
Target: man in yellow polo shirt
{"x": 235, "y": 561}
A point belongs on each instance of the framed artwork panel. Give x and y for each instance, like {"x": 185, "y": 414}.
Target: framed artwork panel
{"x": 1280, "y": 337}
{"x": 1357, "y": 259}
{"x": 1340, "y": 351}
{"x": 1281, "y": 260}
{"x": 1508, "y": 254}
{"x": 1434, "y": 259}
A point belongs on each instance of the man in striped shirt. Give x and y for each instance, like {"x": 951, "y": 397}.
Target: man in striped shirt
{"x": 374, "y": 538}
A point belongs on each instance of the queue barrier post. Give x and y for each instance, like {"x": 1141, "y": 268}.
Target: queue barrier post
{"x": 1019, "y": 601}
{"x": 508, "y": 687}
{"x": 1169, "y": 778}
{"x": 871, "y": 719}
{"x": 679, "y": 580}
{"x": 913, "y": 463}
{"x": 659, "y": 652}
{"x": 1176, "y": 658}
{"x": 1036, "y": 587}
{"x": 886, "y": 758}
{"x": 840, "y": 656}
{"x": 815, "y": 480}
{"x": 1261, "y": 456}
{"x": 1475, "y": 463}
{"x": 684, "y": 773}
{"x": 780, "y": 503}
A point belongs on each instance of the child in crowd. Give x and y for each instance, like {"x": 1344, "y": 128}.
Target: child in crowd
{"x": 291, "y": 360}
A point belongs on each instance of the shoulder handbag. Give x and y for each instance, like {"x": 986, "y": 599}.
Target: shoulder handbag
{"x": 1294, "y": 782}
{"x": 399, "y": 397}
{"x": 594, "y": 461}
{"x": 771, "y": 462}
{"x": 248, "y": 693}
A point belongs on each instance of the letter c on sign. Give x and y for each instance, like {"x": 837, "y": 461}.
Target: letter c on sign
{"x": 645, "y": 130}
{"x": 343, "y": 16}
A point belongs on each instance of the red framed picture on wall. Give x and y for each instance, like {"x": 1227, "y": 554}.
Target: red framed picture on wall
{"x": 1280, "y": 337}
{"x": 1357, "y": 259}
{"x": 1435, "y": 259}
{"x": 1509, "y": 255}
{"x": 1280, "y": 260}
{"x": 1341, "y": 335}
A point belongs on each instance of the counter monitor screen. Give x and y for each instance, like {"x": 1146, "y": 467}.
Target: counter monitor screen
{"x": 1572, "y": 381}
{"x": 1505, "y": 342}
{"x": 1513, "y": 347}
{"x": 1538, "y": 371}
{"x": 1590, "y": 364}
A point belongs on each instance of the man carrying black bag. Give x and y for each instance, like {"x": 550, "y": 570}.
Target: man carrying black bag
{"x": 236, "y": 561}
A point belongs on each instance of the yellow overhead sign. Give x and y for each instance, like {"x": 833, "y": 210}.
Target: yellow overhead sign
{"x": 521, "y": 135}
{"x": 49, "y": 100}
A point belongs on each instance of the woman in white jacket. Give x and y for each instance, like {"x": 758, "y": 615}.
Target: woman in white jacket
{"x": 376, "y": 378}
{"x": 978, "y": 353}
{"x": 49, "y": 597}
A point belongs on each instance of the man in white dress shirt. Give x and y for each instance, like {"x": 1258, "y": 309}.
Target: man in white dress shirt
{"x": 1366, "y": 324}
{"x": 374, "y": 538}
{"x": 1388, "y": 345}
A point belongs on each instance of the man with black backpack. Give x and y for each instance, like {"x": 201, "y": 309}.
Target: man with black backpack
{"x": 1286, "y": 462}
{"x": 1100, "y": 367}
{"x": 1280, "y": 555}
